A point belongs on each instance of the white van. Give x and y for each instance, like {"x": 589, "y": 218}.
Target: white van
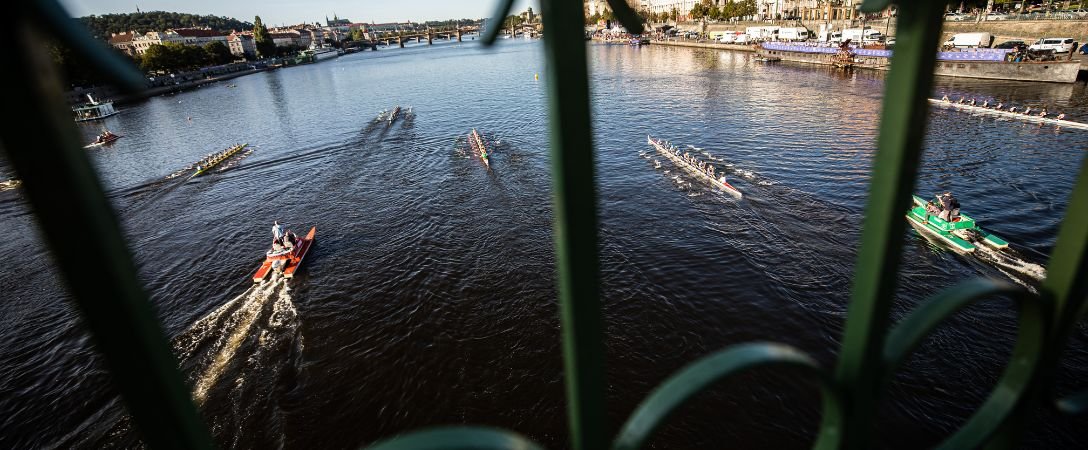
{"x": 1059, "y": 45}
{"x": 970, "y": 40}
{"x": 754, "y": 33}
{"x": 866, "y": 35}
{"x": 793, "y": 34}
{"x": 743, "y": 39}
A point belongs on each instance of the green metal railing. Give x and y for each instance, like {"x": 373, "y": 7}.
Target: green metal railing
{"x": 63, "y": 189}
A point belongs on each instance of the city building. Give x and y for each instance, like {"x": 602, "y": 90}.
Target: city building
{"x": 200, "y": 36}
{"x": 242, "y": 44}
{"x": 142, "y": 42}
{"x": 123, "y": 42}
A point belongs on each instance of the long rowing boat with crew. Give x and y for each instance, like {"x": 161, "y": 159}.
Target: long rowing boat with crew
{"x": 207, "y": 164}
{"x": 670, "y": 151}
{"x": 393, "y": 115}
{"x": 1010, "y": 114}
{"x": 476, "y": 142}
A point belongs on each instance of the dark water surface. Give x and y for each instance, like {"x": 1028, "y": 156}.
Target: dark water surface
{"x": 429, "y": 298}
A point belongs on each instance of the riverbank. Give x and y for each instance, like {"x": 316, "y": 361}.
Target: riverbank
{"x": 687, "y": 43}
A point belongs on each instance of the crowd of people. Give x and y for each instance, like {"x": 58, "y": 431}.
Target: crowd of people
{"x": 1042, "y": 112}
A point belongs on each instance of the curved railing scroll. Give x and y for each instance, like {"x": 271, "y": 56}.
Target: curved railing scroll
{"x": 62, "y": 189}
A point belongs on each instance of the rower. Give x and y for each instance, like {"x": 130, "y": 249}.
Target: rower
{"x": 1060, "y": 116}
{"x": 999, "y": 105}
{"x": 986, "y": 104}
{"x": 945, "y": 99}
{"x": 1027, "y": 111}
{"x": 1042, "y": 113}
{"x": 961, "y": 100}
{"x": 972, "y": 102}
{"x": 1012, "y": 109}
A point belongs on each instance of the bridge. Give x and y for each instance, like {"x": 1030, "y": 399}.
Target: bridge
{"x": 429, "y": 36}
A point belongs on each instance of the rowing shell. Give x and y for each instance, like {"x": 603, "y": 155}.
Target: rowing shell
{"x": 1011, "y": 115}
{"x": 479, "y": 144}
{"x": 664, "y": 149}
{"x": 106, "y": 142}
{"x": 218, "y": 159}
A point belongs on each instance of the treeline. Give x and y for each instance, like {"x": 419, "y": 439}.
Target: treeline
{"x": 103, "y": 26}
{"x": 705, "y": 8}
{"x": 173, "y": 57}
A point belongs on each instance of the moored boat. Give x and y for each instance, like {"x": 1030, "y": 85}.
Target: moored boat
{"x": 476, "y": 142}
{"x": 93, "y": 110}
{"x": 285, "y": 259}
{"x": 210, "y": 162}
{"x": 670, "y": 151}
{"x": 986, "y": 63}
{"x": 962, "y": 234}
{"x": 1034, "y": 118}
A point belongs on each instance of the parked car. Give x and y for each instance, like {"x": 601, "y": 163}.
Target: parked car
{"x": 955, "y": 16}
{"x": 1059, "y": 45}
{"x": 1010, "y": 44}
{"x": 996, "y": 16}
{"x": 1078, "y": 12}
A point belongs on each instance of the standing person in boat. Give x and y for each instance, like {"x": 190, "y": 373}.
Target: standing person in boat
{"x": 950, "y": 207}
{"x": 277, "y": 232}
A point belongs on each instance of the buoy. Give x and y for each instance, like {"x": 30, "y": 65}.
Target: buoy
{"x": 536, "y": 76}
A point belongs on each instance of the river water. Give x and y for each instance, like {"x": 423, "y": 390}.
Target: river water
{"x": 429, "y": 297}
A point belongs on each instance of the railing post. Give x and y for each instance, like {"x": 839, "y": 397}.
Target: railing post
{"x": 575, "y": 223}
{"x": 85, "y": 239}
{"x": 899, "y": 148}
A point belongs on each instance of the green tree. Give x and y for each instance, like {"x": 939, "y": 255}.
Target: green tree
{"x": 746, "y": 8}
{"x": 218, "y": 52}
{"x": 265, "y": 47}
{"x": 172, "y": 57}
{"x": 714, "y": 13}
{"x": 358, "y": 35}
{"x": 103, "y": 26}
{"x": 674, "y": 13}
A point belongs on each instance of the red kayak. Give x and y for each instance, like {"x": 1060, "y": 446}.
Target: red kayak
{"x": 285, "y": 260}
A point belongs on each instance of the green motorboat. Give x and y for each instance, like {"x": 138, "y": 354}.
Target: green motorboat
{"x": 962, "y": 234}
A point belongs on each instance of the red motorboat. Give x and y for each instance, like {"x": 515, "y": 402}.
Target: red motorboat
{"x": 285, "y": 259}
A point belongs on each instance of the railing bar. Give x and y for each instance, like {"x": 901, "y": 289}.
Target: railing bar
{"x": 575, "y": 222}
{"x": 86, "y": 242}
{"x": 899, "y": 149}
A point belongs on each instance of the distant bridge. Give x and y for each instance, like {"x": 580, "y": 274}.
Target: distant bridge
{"x": 429, "y": 36}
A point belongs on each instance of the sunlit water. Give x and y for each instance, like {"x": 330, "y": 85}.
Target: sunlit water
{"x": 429, "y": 298}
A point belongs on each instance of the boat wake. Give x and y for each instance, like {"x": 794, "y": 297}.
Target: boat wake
{"x": 235, "y": 360}
{"x": 8, "y": 185}
{"x": 1007, "y": 260}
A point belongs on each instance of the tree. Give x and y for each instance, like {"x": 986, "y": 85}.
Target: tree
{"x": 747, "y": 8}
{"x": 674, "y": 13}
{"x": 103, "y": 26}
{"x": 715, "y": 13}
{"x": 263, "y": 41}
{"x": 358, "y": 35}
{"x": 218, "y": 53}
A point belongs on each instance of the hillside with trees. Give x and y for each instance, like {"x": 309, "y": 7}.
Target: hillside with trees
{"x": 103, "y": 26}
